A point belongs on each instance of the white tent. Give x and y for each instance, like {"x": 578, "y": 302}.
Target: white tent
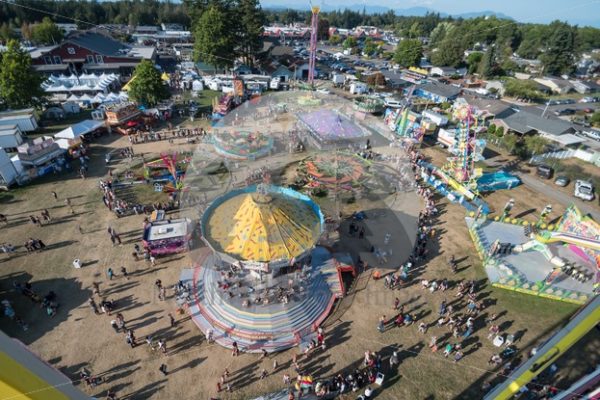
{"x": 80, "y": 128}
{"x": 99, "y": 98}
{"x": 73, "y": 98}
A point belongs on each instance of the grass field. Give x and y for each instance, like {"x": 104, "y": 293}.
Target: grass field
{"x": 76, "y": 337}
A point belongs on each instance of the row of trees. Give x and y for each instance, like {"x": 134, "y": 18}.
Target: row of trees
{"x": 88, "y": 13}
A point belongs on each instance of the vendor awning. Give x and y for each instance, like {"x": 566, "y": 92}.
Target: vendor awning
{"x": 81, "y": 128}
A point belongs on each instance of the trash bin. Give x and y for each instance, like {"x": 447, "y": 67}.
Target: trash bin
{"x": 77, "y": 263}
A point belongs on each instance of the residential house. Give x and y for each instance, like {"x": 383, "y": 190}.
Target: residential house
{"x": 497, "y": 86}
{"x": 394, "y": 80}
{"x": 298, "y": 66}
{"x": 556, "y": 85}
{"x": 486, "y": 108}
{"x": 522, "y": 76}
{"x": 526, "y": 123}
{"x": 437, "y": 92}
{"x": 447, "y": 71}
{"x": 584, "y": 87}
{"x": 91, "y": 52}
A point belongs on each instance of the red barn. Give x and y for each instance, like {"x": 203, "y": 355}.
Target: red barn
{"x": 90, "y": 52}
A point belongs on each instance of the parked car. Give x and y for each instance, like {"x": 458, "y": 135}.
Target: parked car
{"x": 564, "y": 111}
{"x": 584, "y": 190}
{"x": 562, "y": 181}
{"x": 392, "y": 103}
{"x": 544, "y": 171}
{"x": 592, "y": 134}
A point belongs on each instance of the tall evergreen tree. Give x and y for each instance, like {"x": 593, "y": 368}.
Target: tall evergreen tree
{"x": 20, "y": 85}
{"x": 251, "y": 19}
{"x": 214, "y": 42}
{"x": 487, "y": 67}
{"x": 559, "y": 55}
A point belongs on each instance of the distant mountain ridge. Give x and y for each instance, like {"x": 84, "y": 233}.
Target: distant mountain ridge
{"x": 370, "y": 9}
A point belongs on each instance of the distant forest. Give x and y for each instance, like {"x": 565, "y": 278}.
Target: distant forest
{"x": 529, "y": 40}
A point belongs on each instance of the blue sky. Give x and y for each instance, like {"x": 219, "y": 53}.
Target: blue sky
{"x": 581, "y": 12}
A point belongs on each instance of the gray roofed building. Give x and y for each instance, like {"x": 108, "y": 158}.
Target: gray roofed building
{"x": 99, "y": 43}
{"x": 487, "y": 107}
{"x": 524, "y": 123}
{"x": 438, "y": 92}
{"x": 394, "y": 79}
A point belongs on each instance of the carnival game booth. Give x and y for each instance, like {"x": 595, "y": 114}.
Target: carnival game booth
{"x": 242, "y": 145}
{"x": 329, "y": 129}
{"x": 256, "y": 286}
{"x": 164, "y": 237}
{"x": 120, "y": 113}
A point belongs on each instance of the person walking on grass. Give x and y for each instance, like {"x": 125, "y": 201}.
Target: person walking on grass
{"x": 172, "y": 320}
{"x": 110, "y": 273}
{"x": 124, "y": 273}
{"x": 381, "y": 324}
{"x": 93, "y": 306}
{"x": 162, "y": 345}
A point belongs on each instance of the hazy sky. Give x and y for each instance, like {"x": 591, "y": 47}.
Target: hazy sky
{"x": 575, "y": 11}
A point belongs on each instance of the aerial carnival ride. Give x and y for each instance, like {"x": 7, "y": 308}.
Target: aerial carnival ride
{"x": 310, "y": 99}
{"x": 557, "y": 345}
{"x": 457, "y": 179}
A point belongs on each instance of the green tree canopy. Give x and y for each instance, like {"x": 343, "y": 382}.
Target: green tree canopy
{"x": 251, "y": 21}
{"x": 488, "y": 66}
{"x": 335, "y": 39}
{"x": 370, "y": 47}
{"x": 46, "y": 32}
{"x": 214, "y": 43}
{"x": 535, "y": 144}
{"x": 147, "y": 86}
{"x": 448, "y": 54}
{"x": 350, "y": 42}
{"x": 595, "y": 119}
{"x": 20, "y": 85}
{"x": 6, "y": 33}
{"x": 473, "y": 61}
{"x": 522, "y": 89}
{"x": 559, "y": 55}
{"x": 409, "y": 53}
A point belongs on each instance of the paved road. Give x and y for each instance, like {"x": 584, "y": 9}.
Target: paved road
{"x": 561, "y": 197}
{"x": 550, "y": 191}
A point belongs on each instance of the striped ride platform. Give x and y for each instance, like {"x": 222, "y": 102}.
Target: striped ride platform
{"x": 275, "y": 326}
